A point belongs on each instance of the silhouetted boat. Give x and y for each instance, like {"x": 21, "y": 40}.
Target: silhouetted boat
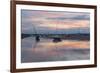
{"x": 37, "y": 38}
{"x": 56, "y": 39}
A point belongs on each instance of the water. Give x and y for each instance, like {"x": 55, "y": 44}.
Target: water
{"x": 45, "y": 50}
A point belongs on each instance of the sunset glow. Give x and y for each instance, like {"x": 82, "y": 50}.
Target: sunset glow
{"x": 54, "y": 35}
{"x": 46, "y": 21}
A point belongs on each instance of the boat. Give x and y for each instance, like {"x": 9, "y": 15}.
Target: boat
{"x": 56, "y": 39}
{"x": 37, "y": 38}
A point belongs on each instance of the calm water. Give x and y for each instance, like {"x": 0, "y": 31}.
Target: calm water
{"x": 46, "y": 50}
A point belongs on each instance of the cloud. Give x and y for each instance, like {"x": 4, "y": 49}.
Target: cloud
{"x": 77, "y": 17}
{"x": 50, "y": 21}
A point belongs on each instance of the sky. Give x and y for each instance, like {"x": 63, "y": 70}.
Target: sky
{"x": 54, "y": 22}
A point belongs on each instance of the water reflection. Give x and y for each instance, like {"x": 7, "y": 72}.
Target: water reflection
{"x": 46, "y": 50}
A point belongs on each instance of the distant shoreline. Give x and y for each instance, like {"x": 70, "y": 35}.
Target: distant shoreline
{"x": 77, "y": 36}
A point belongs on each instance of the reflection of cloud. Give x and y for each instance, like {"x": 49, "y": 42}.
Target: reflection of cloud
{"x": 66, "y": 44}
{"x": 49, "y": 46}
{"x": 46, "y": 21}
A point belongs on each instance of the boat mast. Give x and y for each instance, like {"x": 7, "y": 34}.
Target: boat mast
{"x": 37, "y": 37}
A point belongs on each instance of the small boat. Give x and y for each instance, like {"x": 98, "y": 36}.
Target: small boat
{"x": 56, "y": 39}
{"x": 37, "y": 38}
